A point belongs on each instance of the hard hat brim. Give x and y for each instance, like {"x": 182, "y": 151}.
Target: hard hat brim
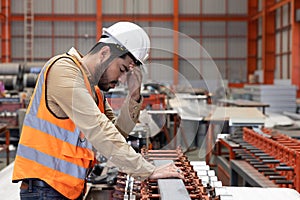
{"x": 112, "y": 39}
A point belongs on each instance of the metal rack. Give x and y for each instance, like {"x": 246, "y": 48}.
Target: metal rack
{"x": 275, "y": 155}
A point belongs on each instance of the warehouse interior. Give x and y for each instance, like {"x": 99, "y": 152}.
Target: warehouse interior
{"x": 221, "y": 92}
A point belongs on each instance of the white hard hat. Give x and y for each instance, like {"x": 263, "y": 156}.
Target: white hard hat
{"x": 130, "y": 36}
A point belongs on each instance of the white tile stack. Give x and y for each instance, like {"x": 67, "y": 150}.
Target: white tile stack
{"x": 280, "y": 97}
{"x": 208, "y": 177}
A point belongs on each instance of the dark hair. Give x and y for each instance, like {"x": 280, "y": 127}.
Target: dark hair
{"x": 116, "y": 51}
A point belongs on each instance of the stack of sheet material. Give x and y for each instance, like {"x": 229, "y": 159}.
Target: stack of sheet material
{"x": 280, "y": 97}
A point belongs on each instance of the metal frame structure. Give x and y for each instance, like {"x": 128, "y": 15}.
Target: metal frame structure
{"x": 281, "y": 148}
{"x": 268, "y": 37}
{"x": 176, "y": 18}
{"x": 5, "y": 17}
{"x": 266, "y": 14}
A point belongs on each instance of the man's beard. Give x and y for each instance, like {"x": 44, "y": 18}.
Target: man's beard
{"x": 105, "y": 86}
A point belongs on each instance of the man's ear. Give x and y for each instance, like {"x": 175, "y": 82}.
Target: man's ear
{"x": 104, "y": 53}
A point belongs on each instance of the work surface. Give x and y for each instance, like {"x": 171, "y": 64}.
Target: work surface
{"x": 254, "y": 193}
{"x": 10, "y": 191}
{"x": 237, "y": 116}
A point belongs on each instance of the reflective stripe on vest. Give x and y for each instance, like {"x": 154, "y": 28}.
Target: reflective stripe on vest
{"x": 50, "y": 161}
{"x": 52, "y": 147}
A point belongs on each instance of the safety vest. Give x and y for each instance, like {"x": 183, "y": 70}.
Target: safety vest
{"x": 53, "y": 149}
{"x": 100, "y": 98}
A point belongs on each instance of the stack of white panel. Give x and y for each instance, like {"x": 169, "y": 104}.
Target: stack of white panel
{"x": 280, "y": 97}
{"x": 208, "y": 177}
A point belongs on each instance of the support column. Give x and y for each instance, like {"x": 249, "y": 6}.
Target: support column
{"x": 98, "y": 19}
{"x": 5, "y": 32}
{"x": 252, "y": 37}
{"x": 176, "y": 41}
{"x": 295, "y": 74}
{"x": 268, "y": 42}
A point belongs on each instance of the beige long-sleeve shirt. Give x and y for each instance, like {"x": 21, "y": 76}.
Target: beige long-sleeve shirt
{"x": 67, "y": 96}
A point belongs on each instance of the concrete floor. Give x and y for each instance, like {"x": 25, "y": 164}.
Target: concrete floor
{"x": 12, "y": 155}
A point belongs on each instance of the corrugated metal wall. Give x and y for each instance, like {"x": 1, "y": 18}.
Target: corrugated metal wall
{"x": 224, "y": 41}
{"x": 283, "y": 46}
{"x": 51, "y": 38}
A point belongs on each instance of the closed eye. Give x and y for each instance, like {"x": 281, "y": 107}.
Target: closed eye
{"x": 124, "y": 68}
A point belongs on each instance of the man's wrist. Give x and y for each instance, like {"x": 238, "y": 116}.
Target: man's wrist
{"x": 137, "y": 98}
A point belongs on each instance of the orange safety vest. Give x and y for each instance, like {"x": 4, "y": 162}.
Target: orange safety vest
{"x": 101, "y": 100}
{"x": 53, "y": 149}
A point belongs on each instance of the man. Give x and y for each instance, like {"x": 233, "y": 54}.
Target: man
{"x": 67, "y": 116}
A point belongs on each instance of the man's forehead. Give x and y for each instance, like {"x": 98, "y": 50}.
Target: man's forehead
{"x": 129, "y": 60}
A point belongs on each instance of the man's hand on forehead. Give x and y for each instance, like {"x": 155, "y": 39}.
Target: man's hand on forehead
{"x": 132, "y": 66}
{"x": 134, "y": 81}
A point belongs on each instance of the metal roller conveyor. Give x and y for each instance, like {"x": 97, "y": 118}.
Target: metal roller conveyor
{"x": 256, "y": 151}
{"x": 274, "y": 155}
{"x": 271, "y": 161}
{"x": 260, "y": 166}
{"x": 277, "y": 177}
{"x": 256, "y": 163}
{"x": 271, "y": 173}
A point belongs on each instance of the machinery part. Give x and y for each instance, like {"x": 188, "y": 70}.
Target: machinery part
{"x": 97, "y": 179}
{"x": 9, "y": 68}
{"x": 10, "y": 82}
{"x": 16, "y": 76}
{"x": 275, "y": 155}
{"x": 32, "y": 67}
{"x": 98, "y": 169}
{"x": 29, "y": 80}
{"x": 199, "y": 181}
{"x": 110, "y": 178}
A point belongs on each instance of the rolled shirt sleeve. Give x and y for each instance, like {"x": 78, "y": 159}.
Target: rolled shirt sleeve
{"x": 128, "y": 116}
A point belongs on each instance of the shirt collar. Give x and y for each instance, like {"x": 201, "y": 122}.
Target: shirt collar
{"x": 78, "y": 55}
{"x": 74, "y": 52}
